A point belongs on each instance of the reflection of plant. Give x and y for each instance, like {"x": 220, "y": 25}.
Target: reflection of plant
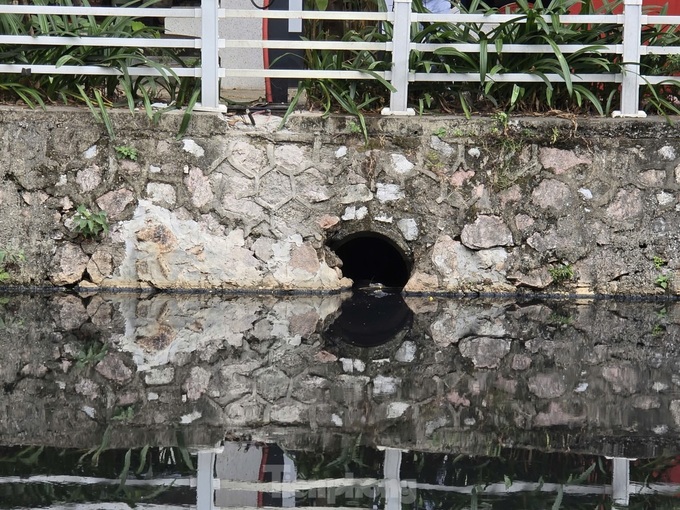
{"x": 558, "y": 318}
{"x": 352, "y": 458}
{"x": 147, "y": 463}
{"x": 91, "y": 354}
{"x": 124, "y": 414}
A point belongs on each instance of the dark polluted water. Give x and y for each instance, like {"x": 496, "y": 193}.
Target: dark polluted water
{"x": 376, "y": 402}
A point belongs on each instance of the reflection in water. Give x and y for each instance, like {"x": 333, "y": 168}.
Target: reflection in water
{"x": 435, "y": 382}
{"x": 371, "y": 317}
{"x": 249, "y": 475}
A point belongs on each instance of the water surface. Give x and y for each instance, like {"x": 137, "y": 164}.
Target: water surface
{"x": 422, "y": 402}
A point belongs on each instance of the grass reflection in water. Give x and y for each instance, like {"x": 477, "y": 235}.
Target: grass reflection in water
{"x": 39, "y": 476}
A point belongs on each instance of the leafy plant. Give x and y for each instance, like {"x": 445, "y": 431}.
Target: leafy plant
{"x": 658, "y": 329}
{"x": 662, "y": 281}
{"x": 98, "y": 92}
{"x": 440, "y": 132}
{"x": 561, "y": 273}
{"x": 92, "y": 354}
{"x": 353, "y": 127}
{"x": 561, "y": 319}
{"x": 124, "y": 414}
{"x": 434, "y": 162}
{"x": 90, "y": 224}
{"x": 10, "y": 259}
{"x": 126, "y": 152}
{"x": 554, "y": 136}
{"x": 353, "y": 96}
{"x": 528, "y": 27}
{"x": 659, "y": 262}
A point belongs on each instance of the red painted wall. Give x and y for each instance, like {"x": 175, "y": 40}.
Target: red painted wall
{"x": 673, "y": 5}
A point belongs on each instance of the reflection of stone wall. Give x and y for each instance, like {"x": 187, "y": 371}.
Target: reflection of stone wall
{"x": 468, "y": 374}
{"x": 237, "y": 206}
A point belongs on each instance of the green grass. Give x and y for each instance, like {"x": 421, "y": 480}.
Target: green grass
{"x": 359, "y": 97}
{"x": 99, "y": 93}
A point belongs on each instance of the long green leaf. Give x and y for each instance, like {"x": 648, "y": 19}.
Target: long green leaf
{"x": 104, "y": 115}
{"x": 186, "y": 118}
{"x": 564, "y": 65}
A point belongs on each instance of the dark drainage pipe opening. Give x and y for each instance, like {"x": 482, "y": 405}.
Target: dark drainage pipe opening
{"x": 376, "y": 312}
{"x": 372, "y": 258}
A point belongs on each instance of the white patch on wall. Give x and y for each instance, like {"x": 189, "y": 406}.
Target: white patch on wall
{"x": 193, "y": 148}
{"x": 189, "y": 418}
{"x": 388, "y": 192}
{"x": 91, "y": 152}
{"x": 396, "y": 409}
{"x": 383, "y": 218}
{"x": 667, "y": 152}
{"x": 587, "y": 194}
{"x": 665, "y": 198}
{"x": 350, "y": 365}
{"x": 401, "y": 165}
{"x": 406, "y": 352}
{"x": 384, "y": 385}
{"x": 408, "y": 228}
{"x": 90, "y": 411}
{"x": 352, "y": 213}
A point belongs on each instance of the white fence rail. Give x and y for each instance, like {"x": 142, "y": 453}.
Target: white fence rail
{"x": 209, "y": 71}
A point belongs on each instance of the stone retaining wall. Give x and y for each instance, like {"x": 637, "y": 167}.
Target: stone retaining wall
{"x": 588, "y": 206}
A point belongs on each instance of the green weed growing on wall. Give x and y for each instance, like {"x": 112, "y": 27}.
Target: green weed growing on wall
{"x": 90, "y": 224}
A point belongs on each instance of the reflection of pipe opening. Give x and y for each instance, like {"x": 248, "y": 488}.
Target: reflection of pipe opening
{"x": 369, "y": 319}
{"x": 369, "y": 257}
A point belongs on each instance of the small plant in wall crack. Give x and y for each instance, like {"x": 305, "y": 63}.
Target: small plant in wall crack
{"x": 439, "y": 132}
{"x": 659, "y": 262}
{"x": 90, "y": 224}
{"x": 354, "y": 127}
{"x": 662, "y": 280}
{"x": 561, "y": 273}
{"x": 126, "y": 152}
{"x": 10, "y": 259}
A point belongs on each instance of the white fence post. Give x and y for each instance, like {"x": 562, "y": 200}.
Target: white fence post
{"x": 632, "y": 37}
{"x": 621, "y": 481}
{"x": 205, "y": 485}
{"x": 401, "y": 42}
{"x": 210, "y": 61}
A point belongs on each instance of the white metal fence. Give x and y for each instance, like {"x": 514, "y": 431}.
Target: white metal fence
{"x": 402, "y": 19}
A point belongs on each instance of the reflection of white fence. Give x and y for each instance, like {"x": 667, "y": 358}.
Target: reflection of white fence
{"x": 402, "y": 18}
{"x": 393, "y": 491}
{"x": 396, "y": 492}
